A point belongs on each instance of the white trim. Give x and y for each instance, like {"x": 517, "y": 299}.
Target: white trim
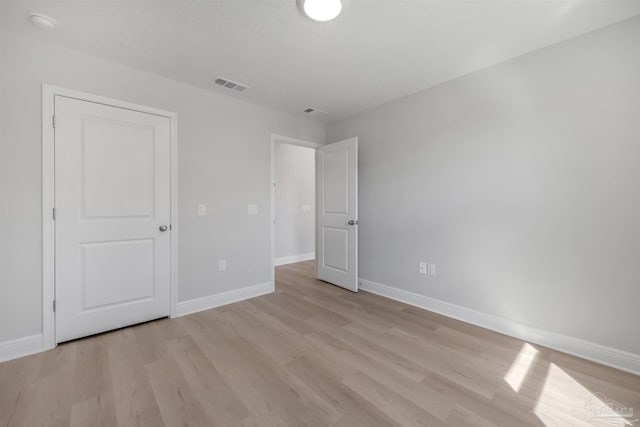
{"x": 282, "y": 140}
{"x": 174, "y": 214}
{"x": 48, "y": 198}
{"x": 293, "y": 141}
{"x": 20, "y": 347}
{"x": 295, "y": 258}
{"x": 212, "y": 301}
{"x": 615, "y": 358}
{"x": 48, "y": 226}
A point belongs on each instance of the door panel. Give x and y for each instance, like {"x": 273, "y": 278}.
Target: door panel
{"x": 336, "y": 181}
{"x": 119, "y": 195}
{"x": 102, "y": 286}
{"x": 112, "y": 191}
{"x": 337, "y": 239}
{"x": 336, "y": 248}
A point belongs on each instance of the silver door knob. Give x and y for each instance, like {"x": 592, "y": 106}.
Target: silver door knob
{"x": 163, "y": 228}
{"x": 352, "y": 222}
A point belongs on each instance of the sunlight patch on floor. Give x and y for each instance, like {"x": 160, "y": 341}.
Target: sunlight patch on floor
{"x": 561, "y": 394}
{"x": 521, "y": 367}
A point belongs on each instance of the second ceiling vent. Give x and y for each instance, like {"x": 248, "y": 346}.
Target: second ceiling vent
{"x": 230, "y": 84}
{"x": 314, "y": 111}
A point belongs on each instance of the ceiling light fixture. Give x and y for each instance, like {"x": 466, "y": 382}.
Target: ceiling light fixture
{"x": 43, "y": 22}
{"x": 320, "y": 10}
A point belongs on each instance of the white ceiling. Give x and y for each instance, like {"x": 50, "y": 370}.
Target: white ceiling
{"x": 376, "y": 51}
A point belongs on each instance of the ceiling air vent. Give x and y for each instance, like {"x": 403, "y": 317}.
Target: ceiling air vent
{"x": 230, "y": 84}
{"x": 314, "y": 111}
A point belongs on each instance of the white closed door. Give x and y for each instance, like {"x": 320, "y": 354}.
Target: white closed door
{"x": 337, "y": 223}
{"x": 112, "y": 217}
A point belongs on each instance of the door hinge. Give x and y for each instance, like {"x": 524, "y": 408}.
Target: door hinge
{"x": 53, "y": 121}
{"x": 54, "y": 214}
{"x": 54, "y": 306}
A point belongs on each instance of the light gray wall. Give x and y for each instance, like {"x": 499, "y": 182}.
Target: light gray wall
{"x": 295, "y": 178}
{"x": 224, "y": 161}
{"x": 520, "y": 182}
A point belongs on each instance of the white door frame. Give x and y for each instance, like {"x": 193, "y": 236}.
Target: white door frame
{"x": 48, "y": 198}
{"x": 280, "y": 140}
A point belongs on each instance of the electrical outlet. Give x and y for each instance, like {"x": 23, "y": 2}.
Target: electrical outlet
{"x": 202, "y": 210}
{"x": 422, "y": 268}
{"x": 431, "y": 269}
{"x": 222, "y": 265}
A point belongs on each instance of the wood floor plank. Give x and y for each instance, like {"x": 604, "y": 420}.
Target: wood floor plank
{"x": 430, "y": 360}
{"x": 372, "y": 351}
{"x": 95, "y": 411}
{"x": 18, "y": 396}
{"x": 320, "y": 375}
{"x": 310, "y": 354}
{"x": 176, "y": 400}
{"x": 396, "y": 408}
{"x": 135, "y": 402}
{"x": 216, "y": 397}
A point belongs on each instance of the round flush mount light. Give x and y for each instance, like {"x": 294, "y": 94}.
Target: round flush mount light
{"x": 43, "y": 22}
{"x": 320, "y": 10}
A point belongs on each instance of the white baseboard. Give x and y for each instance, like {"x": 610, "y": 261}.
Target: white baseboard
{"x": 20, "y": 347}
{"x": 615, "y": 358}
{"x": 33, "y": 344}
{"x": 224, "y": 298}
{"x": 294, "y": 258}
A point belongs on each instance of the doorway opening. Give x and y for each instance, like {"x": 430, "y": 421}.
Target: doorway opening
{"x": 293, "y": 199}
{"x": 334, "y": 208}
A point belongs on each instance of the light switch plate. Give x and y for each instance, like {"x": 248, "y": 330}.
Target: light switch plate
{"x": 431, "y": 269}
{"x": 222, "y": 265}
{"x": 422, "y": 268}
{"x": 202, "y": 210}
{"x": 252, "y": 209}
{"x": 306, "y": 208}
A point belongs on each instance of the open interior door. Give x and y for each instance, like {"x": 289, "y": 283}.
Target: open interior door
{"x": 337, "y": 219}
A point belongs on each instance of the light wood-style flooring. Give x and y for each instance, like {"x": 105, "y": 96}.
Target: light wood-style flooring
{"x": 310, "y": 354}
